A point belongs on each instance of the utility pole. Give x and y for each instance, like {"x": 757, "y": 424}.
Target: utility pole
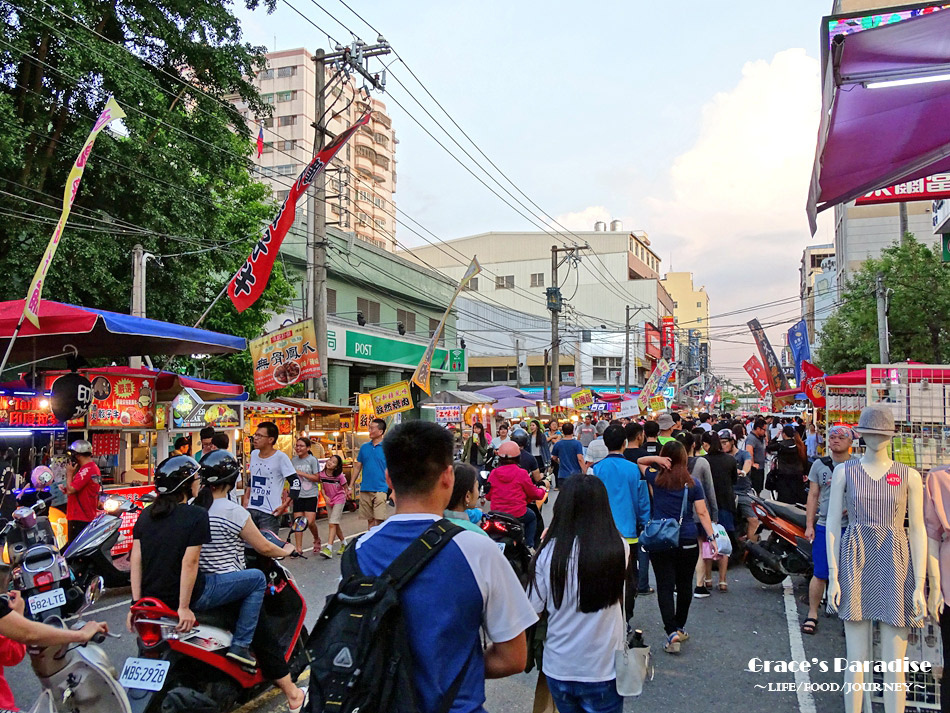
{"x": 626, "y": 353}
{"x": 355, "y": 58}
{"x": 544, "y": 374}
{"x": 518, "y": 362}
{"x": 554, "y": 306}
{"x": 882, "y": 337}
{"x": 902, "y": 222}
{"x": 139, "y": 258}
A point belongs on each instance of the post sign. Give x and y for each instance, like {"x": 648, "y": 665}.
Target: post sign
{"x": 583, "y": 400}
{"x": 285, "y": 357}
{"x": 122, "y": 401}
{"x": 391, "y": 399}
{"x": 448, "y": 413}
{"x": 354, "y": 345}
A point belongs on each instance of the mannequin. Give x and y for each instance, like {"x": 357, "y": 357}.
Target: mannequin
{"x": 937, "y": 519}
{"x": 876, "y": 426}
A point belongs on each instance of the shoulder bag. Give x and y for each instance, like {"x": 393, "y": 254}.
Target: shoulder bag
{"x": 632, "y": 664}
{"x": 663, "y": 534}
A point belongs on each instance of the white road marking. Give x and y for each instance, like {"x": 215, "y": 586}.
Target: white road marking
{"x": 806, "y": 702}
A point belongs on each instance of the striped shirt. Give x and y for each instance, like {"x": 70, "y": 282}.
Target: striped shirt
{"x": 226, "y": 551}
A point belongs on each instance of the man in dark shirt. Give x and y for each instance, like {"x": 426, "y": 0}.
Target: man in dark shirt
{"x": 651, "y": 431}
{"x": 635, "y": 436}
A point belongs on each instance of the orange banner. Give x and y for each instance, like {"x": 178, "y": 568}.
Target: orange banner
{"x": 285, "y": 357}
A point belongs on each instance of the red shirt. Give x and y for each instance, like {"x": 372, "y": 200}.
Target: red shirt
{"x": 83, "y": 504}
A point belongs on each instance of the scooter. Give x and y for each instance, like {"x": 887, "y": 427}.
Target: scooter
{"x": 786, "y": 551}
{"x": 189, "y": 673}
{"x": 90, "y": 554}
{"x": 508, "y": 533}
{"x": 78, "y": 678}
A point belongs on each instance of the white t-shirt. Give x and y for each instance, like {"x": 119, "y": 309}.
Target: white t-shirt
{"x": 579, "y": 647}
{"x": 225, "y": 553}
{"x": 706, "y": 426}
{"x": 267, "y": 480}
{"x": 497, "y": 441}
{"x": 308, "y": 464}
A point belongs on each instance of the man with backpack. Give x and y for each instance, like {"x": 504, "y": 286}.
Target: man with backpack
{"x": 409, "y": 641}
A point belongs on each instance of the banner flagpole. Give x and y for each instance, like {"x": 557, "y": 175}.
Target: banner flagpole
{"x": 6, "y": 355}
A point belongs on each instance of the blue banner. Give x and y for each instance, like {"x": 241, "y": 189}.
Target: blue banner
{"x": 798, "y": 344}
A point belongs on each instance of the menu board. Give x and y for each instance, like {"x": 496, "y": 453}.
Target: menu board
{"x": 122, "y": 401}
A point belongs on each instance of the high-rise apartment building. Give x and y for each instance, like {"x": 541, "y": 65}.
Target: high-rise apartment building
{"x": 361, "y": 180}
{"x": 817, "y": 290}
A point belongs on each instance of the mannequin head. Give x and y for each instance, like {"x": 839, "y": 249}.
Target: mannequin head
{"x": 876, "y": 443}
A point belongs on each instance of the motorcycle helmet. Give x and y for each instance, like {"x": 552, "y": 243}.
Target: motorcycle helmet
{"x": 80, "y": 447}
{"x": 41, "y": 477}
{"x": 175, "y": 473}
{"x": 509, "y": 449}
{"x": 520, "y": 436}
{"x": 219, "y": 468}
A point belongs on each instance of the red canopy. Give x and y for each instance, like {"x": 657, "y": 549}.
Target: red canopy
{"x": 169, "y": 384}
{"x": 939, "y": 375}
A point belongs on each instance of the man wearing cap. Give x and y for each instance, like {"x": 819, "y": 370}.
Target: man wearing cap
{"x": 82, "y": 487}
{"x": 819, "y": 494}
{"x": 666, "y": 423}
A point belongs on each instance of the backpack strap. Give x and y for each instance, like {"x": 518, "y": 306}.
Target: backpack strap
{"x": 418, "y": 554}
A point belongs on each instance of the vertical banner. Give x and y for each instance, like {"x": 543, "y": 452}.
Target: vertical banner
{"x": 798, "y": 344}
{"x": 773, "y": 369}
{"x": 668, "y": 339}
{"x": 251, "y": 278}
{"x": 285, "y": 357}
{"x": 423, "y": 373}
{"x": 756, "y": 372}
{"x": 650, "y": 388}
{"x": 31, "y": 307}
{"x": 813, "y": 384}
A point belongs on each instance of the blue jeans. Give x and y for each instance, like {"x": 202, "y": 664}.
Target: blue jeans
{"x": 585, "y": 697}
{"x": 530, "y": 522}
{"x": 246, "y": 586}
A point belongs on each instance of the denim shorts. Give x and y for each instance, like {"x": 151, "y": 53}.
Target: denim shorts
{"x": 585, "y": 697}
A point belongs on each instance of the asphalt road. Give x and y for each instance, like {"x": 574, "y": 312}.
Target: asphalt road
{"x": 727, "y": 630}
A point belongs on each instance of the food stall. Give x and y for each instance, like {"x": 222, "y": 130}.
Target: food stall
{"x": 326, "y": 425}
{"x": 283, "y": 415}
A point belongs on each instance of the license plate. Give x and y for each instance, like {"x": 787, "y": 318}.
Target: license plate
{"x": 501, "y": 546}
{"x": 147, "y": 674}
{"x": 47, "y": 600}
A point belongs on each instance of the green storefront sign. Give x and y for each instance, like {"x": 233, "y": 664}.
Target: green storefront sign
{"x": 382, "y": 350}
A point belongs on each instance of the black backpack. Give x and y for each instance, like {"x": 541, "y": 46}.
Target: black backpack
{"x": 359, "y": 648}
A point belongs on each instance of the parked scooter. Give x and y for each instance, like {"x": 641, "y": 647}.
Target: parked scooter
{"x": 78, "y": 678}
{"x": 179, "y": 673}
{"x": 786, "y": 551}
{"x": 90, "y": 554}
{"x": 508, "y": 533}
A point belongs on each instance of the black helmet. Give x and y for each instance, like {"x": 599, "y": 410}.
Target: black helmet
{"x": 219, "y": 468}
{"x": 174, "y": 473}
{"x": 520, "y": 436}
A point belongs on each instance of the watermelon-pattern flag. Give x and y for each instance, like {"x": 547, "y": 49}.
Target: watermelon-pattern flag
{"x": 249, "y": 281}
{"x": 260, "y": 141}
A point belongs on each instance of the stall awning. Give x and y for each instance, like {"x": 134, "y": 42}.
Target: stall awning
{"x": 469, "y": 398}
{"x": 312, "y": 404}
{"x": 500, "y": 392}
{"x": 270, "y": 407}
{"x": 169, "y": 384}
{"x": 514, "y": 402}
{"x": 885, "y": 97}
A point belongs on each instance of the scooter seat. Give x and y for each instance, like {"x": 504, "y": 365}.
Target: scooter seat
{"x": 224, "y": 617}
{"x": 793, "y": 513}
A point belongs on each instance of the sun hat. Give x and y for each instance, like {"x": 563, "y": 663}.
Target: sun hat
{"x": 596, "y": 451}
{"x": 665, "y": 421}
{"x": 876, "y": 419}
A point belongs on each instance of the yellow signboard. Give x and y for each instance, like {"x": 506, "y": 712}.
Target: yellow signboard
{"x": 583, "y": 399}
{"x": 657, "y": 403}
{"x": 391, "y": 399}
{"x": 367, "y": 412}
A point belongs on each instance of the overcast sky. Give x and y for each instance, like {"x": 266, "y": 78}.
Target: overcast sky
{"x": 693, "y": 121}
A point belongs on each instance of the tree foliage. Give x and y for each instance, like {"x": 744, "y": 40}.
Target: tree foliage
{"x": 175, "y": 178}
{"x": 918, "y": 312}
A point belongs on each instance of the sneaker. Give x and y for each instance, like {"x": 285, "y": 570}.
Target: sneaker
{"x": 672, "y": 645}
{"x": 683, "y": 635}
{"x": 242, "y": 655}
{"x": 644, "y": 592}
{"x": 326, "y": 553}
{"x": 342, "y": 549}
{"x": 700, "y": 592}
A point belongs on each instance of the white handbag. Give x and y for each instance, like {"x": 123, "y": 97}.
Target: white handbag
{"x": 632, "y": 665}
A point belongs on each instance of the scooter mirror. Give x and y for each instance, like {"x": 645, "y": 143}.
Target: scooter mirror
{"x": 93, "y": 592}
{"x": 300, "y": 524}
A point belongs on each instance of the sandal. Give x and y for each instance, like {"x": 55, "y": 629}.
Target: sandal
{"x": 723, "y": 587}
{"x": 708, "y": 584}
{"x": 810, "y": 626}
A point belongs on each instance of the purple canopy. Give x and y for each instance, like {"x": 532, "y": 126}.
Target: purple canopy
{"x": 513, "y": 402}
{"x": 500, "y": 392}
{"x": 879, "y": 136}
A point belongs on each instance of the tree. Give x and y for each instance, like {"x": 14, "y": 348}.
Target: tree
{"x": 918, "y": 315}
{"x": 176, "y": 177}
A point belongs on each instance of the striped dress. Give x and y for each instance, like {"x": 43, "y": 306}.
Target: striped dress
{"x": 875, "y": 571}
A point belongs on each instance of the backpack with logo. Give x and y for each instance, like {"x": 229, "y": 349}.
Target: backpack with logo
{"x": 359, "y": 649}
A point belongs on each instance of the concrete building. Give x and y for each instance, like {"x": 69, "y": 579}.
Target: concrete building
{"x": 817, "y": 290}
{"x": 690, "y": 305}
{"x": 361, "y": 180}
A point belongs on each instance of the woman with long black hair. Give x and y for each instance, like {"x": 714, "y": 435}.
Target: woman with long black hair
{"x": 790, "y": 466}
{"x": 476, "y": 446}
{"x": 577, "y": 576}
{"x": 674, "y": 568}
{"x": 538, "y": 444}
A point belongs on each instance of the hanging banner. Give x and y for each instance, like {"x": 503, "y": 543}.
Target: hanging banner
{"x": 285, "y": 357}
{"x": 391, "y": 399}
{"x": 798, "y": 344}
{"x": 121, "y": 401}
{"x": 250, "y": 280}
{"x": 643, "y": 399}
{"x": 756, "y": 372}
{"x": 717, "y": 394}
{"x": 423, "y": 373}
{"x": 367, "y": 412}
{"x": 668, "y": 341}
{"x": 31, "y": 307}
{"x": 813, "y": 384}
{"x": 583, "y": 399}
{"x": 448, "y": 413}
{"x": 773, "y": 369}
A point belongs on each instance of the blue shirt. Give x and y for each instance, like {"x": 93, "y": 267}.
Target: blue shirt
{"x": 467, "y": 586}
{"x": 374, "y": 468}
{"x": 566, "y": 450}
{"x": 622, "y": 480}
{"x": 667, "y": 503}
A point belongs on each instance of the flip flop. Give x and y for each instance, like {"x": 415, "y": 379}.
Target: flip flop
{"x": 810, "y": 626}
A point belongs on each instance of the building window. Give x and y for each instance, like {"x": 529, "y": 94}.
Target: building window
{"x": 369, "y": 309}
{"x": 265, "y": 74}
{"x": 699, "y": 304}
{"x": 268, "y": 122}
{"x": 380, "y": 223}
{"x": 287, "y": 169}
{"x": 675, "y": 305}
{"x": 362, "y": 218}
{"x": 282, "y": 195}
{"x": 286, "y": 71}
{"x": 364, "y": 195}
{"x": 366, "y": 152}
{"x": 606, "y": 367}
{"x": 479, "y": 373}
{"x": 537, "y": 279}
{"x": 268, "y": 98}
{"x": 433, "y": 326}
{"x": 699, "y": 320}
{"x": 407, "y": 318}
{"x": 286, "y": 96}
{"x": 472, "y": 285}
{"x": 379, "y": 202}
{"x": 504, "y": 282}
{"x": 289, "y": 144}
{"x": 287, "y": 120}
{"x": 268, "y": 147}
{"x": 331, "y": 301}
